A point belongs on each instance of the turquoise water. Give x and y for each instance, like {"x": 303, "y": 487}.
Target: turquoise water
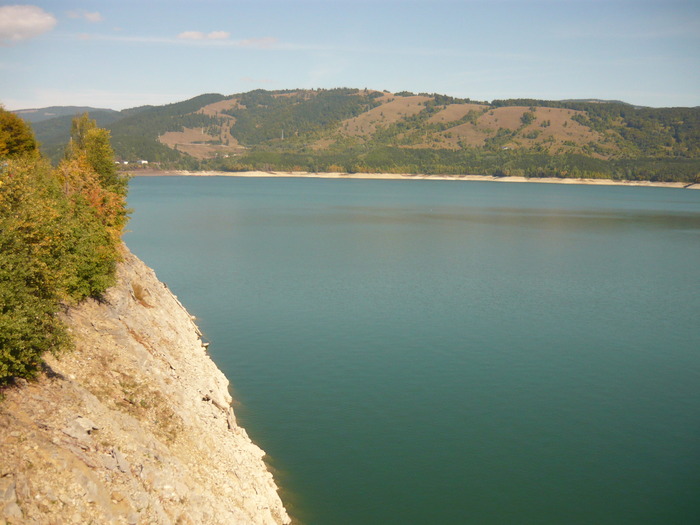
{"x": 438, "y": 352}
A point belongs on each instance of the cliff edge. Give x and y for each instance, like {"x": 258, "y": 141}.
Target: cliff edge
{"x": 134, "y": 426}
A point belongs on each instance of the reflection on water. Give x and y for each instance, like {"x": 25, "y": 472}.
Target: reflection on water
{"x": 584, "y": 219}
{"x": 428, "y": 352}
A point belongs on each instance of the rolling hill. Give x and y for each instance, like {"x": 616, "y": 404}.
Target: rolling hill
{"x": 53, "y": 112}
{"x": 366, "y": 130}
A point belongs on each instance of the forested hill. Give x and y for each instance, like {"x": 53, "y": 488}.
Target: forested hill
{"x": 354, "y": 130}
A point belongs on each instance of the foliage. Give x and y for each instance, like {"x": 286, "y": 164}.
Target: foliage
{"x": 527, "y": 118}
{"x": 265, "y": 116}
{"x": 59, "y": 243}
{"x": 92, "y": 144}
{"x": 29, "y": 276}
{"x": 16, "y": 137}
{"x": 487, "y": 161}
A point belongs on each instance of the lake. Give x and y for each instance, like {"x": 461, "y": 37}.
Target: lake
{"x": 448, "y": 352}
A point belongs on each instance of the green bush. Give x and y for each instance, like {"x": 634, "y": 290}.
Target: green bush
{"x": 59, "y": 243}
{"x": 29, "y": 272}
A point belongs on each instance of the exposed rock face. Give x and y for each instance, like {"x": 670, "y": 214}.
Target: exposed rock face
{"x": 135, "y": 426}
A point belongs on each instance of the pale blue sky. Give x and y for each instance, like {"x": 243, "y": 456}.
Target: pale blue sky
{"x": 126, "y": 53}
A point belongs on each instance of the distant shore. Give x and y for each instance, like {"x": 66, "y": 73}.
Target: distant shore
{"x": 406, "y": 176}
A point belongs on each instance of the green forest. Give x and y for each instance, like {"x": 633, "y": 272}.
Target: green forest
{"x": 60, "y": 236}
{"x": 353, "y": 130}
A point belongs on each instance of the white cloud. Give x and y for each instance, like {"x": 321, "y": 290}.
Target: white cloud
{"x": 86, "y": 15}
{"x": 22, "y": 22}
{"x": 198, "y": 35}
{"x": 218, "y": 35}
{"x": 213, "y": 39}
{"x": 191, "y": 35}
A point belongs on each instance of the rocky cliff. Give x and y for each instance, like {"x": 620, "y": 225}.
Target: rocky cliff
{"x": 134, "y": 426}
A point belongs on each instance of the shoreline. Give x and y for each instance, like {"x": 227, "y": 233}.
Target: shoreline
{"x": 407, "y": 176}
{"x": 134, "y": 425}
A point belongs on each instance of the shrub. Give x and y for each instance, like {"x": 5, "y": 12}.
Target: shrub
{"x": 30, "y": 273}
{"x": 59, "y": 242}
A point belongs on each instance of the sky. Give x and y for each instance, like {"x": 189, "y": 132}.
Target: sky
{"x": 124, "y": 53}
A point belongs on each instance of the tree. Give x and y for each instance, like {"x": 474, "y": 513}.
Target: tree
{"x": 93, "y": 144}
{"x": 527, "y": 118}
{"x": 16, "y": 136}
{"x": 31, "y": 225}
{"x": 79, "y": 129}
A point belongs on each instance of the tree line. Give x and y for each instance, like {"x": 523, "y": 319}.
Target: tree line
{"x": 496, "y": 162}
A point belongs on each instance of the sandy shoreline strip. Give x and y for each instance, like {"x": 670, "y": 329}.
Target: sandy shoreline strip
{"x": 406, "y": 176}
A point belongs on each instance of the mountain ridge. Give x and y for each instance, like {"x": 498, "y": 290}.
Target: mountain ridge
{"x": 33, "y": 115}
{"x": 348, "y": 129}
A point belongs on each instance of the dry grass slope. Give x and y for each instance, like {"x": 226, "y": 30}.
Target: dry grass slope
{"x": 392, "y": 110}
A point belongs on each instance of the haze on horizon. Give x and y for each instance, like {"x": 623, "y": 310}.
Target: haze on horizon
{"x": 128, "y": 53}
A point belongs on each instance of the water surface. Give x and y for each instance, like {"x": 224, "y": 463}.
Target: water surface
{"x": 421, "y": 352}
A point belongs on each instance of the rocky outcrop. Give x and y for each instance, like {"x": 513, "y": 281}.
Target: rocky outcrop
{"x": 134, "y": 426}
